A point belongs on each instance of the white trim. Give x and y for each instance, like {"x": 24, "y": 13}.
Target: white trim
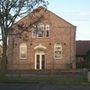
{"x": 40, "y": 46}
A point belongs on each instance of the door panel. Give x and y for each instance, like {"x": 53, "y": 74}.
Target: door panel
{"x": 43, "y": 61}
{"x": 40, "y": 61}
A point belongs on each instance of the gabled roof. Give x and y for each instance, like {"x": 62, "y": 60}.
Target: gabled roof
{"x": 32, "y": 18}
{"x": 43, "y": 8}
{"x": 82, "y": 47}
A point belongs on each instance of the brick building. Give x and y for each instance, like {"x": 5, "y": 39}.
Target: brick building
{"x": 83, "y": 54}
{"x": 48, "y": 43}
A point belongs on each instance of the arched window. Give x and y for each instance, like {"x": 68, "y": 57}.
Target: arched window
{"x": 41, "y": 26}
{"x": 23, "y": 51}
{"x": 58, "y": 51}
{"x": 40, "y": 32}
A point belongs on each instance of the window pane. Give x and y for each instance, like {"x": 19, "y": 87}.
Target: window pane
{"x": 38, "y": 61}
{"x": 47, "y": 33}
{"x": 40, "y": 33}
{"x": 34, "y": 31}
{"x": 43, "y": 61}
{"x": 40, "y": 26}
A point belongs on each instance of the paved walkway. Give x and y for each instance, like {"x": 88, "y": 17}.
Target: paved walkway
{"x": 40, "y": 87}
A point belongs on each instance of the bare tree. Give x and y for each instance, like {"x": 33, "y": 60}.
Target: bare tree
{"x": 10, "y": 11}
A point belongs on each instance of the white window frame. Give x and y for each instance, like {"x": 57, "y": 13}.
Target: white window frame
{"x": 21, "y": 47}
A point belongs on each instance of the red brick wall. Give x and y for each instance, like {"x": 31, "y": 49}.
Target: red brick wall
{"x": 60, "y": 31}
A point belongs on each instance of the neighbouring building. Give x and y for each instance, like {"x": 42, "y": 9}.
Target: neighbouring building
{"x": 48, "y": 43}
{"x": 82, "y": 54}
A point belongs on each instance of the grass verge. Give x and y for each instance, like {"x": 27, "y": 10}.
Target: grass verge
{"x": 46, "y": 80}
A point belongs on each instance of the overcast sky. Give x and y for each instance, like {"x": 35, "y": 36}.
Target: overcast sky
{"x": 77, "y": 12}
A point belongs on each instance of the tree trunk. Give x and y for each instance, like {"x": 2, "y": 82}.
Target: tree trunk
{"x": 4, "y": 57}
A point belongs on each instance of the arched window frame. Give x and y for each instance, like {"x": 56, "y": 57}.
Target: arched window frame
{"x": 57, "y": 51}
{"x": 23, "y": 51}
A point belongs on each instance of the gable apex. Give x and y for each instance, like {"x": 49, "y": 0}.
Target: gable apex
{"x": 29, "y": 19}
{"x": 44, "y": 8}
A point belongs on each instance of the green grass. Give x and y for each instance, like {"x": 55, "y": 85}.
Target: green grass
{"x": 46, "y": 80}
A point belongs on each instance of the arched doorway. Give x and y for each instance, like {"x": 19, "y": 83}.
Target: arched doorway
{"x": 39, "y": 57}
{"x": 39, "y": 60}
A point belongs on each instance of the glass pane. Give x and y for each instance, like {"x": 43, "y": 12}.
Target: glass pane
{"x": 38, "y": 61}
{"x": 41, "y": 26}
{"x": 40, "y": 33}
{"x": 47, "y": 33}
{"x": 43, "y": 61}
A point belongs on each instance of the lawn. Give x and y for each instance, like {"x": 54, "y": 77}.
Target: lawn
{"x": 52, "y": 80}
